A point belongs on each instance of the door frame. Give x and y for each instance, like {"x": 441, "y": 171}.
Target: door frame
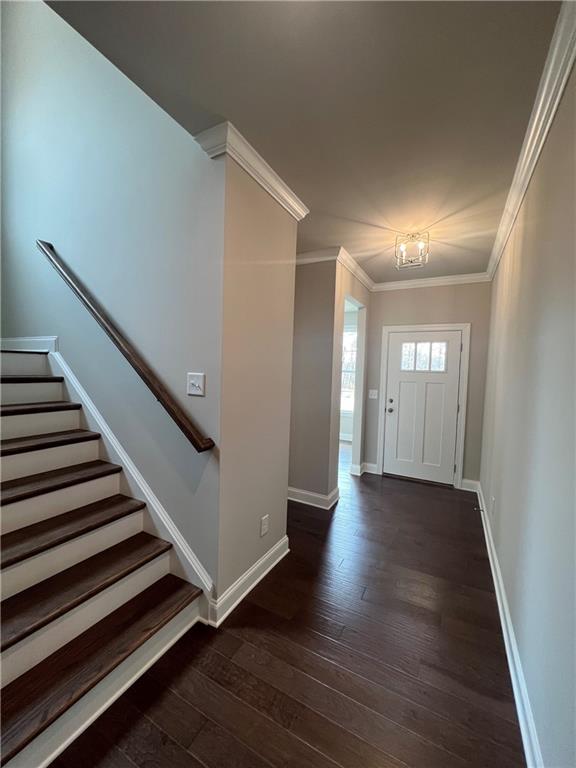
{"x": 462, "y": 388}
{"x": 359, "y": 386}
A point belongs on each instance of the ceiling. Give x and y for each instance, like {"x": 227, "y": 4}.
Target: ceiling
{"x": 383, "y": 117}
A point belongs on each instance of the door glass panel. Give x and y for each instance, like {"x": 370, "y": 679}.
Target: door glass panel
{"x": 423, "y": 356}
{"x": 408, "y": 355}
{"x": 438, "y": 359}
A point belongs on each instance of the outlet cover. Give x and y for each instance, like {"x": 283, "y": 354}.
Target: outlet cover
{"x": 372, "y": 394}
{"x": 264, "y": 525}
{"x": 196, "y": 384}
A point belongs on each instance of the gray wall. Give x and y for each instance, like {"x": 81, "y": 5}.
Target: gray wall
{"x": 312, "y": 376}
{"x": 136, "y": 208}
{"x": 528, "y": 455}
{"x": 443, "y": 304}
{"x": 258, "y": 306}
{"x": 321, "y": 290}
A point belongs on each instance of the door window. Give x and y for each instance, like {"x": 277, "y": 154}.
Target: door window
{"x": 423, "y": 356}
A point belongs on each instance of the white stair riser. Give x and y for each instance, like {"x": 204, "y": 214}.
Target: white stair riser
{"x": 39, "y": 423}
{"x": 24, "y": 364}
{"x": 35, "y": 392}
{"x": 22, "y": 464}
{"x": 34, "y": 569}
{"x": 33, "y": 649}
{"x": 51, "y": 742}
{"x": 22, "y": 513}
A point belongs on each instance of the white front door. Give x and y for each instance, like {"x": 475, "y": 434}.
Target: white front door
{"x": 422, "y": 404}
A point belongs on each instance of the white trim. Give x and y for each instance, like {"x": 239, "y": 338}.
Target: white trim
{"x": 433, "y": 282}
{"x": 464, "y": 328}
{"x": 31, "y": 343}
{"x": 359, "y": 469}
{"x": 341, "y": 255}
{"x": 193, "y": 568}
{"x": 470, "y": 485}
{"x": 320, "y": 500}
{"x": 526, "y": 720}
{"x": 336, "y": 254}
{"x": 226, "y": 139}
{"x": 222, "y": 606}
{"x": 44, "y": 749}
{"x": 354, "y": 268}
{"x": 559, "y": 62}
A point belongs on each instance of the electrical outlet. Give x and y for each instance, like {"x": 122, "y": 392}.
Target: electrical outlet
{"x": 492, "y": 507}
{"x": 196, "y": 384}
{"x": 264, "y": 525}
{"x": 372, "y": 394}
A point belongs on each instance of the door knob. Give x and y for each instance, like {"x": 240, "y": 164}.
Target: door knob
{"x": 390, "y": 410}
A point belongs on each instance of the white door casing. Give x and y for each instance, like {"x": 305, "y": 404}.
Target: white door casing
{"x": 421, "y": 431}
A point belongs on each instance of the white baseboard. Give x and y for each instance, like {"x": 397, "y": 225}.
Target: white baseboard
{"x": 359, "y": 469}
{"x": 31, "y": 343}
{"x": 530, "y": 740}
{"x": 321, "y": 500}
{"x": 192, "y": 568}
{"x": 220, "y": 607}
{"x": 470, "y": 485}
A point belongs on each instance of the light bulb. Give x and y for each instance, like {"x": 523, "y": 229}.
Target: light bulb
{"x": 403, "y": 248}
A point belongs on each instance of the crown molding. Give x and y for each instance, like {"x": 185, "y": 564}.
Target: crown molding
{"x": 224, "y": 138}
{"x": 433, "y": 282}
{"x": 352, "y": 266}
{"x": 559, "y": 62}
{"x": 340, "y": 255}
{"x": 313, "y": 257}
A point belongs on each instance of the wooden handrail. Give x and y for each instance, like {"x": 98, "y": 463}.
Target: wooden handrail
{"x": 166, "y": 400}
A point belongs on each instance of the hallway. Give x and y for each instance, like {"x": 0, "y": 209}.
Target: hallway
{"x": 374, "y": 644}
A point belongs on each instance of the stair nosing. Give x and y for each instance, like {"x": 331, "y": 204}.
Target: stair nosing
{"x": 107, "y": 468}
{"x": 32, "y": 378}
{"x": 67, "y": 437}
{"x": 22, "y": 409}
{"x": 54, "y": 521}
{"x": 177, "y": 604}
{"x": 120, "y": 573}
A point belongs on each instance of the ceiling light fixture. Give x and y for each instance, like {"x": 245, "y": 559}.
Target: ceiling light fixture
{"x": 412, "y": 250}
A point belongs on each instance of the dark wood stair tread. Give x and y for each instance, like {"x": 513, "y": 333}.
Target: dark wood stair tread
{"x": 37, "y": 698}
{"x": 47, "y": 440}
{"x": 38, "y": 537}
{"x": 45, "y": 482}
{"x": 28, "y": 378}
{"x": 19, "y": 409}
{"x": 24, "y": 351}
{"x": 33, "y": 608}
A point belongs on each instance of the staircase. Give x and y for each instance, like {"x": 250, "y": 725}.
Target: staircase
{"x": 88, "y": 599}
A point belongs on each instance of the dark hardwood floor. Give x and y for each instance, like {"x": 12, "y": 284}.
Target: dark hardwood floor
{"x": 375, "y": 644}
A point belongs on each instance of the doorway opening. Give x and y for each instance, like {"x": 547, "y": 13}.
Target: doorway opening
{"x": 352, "y": 386}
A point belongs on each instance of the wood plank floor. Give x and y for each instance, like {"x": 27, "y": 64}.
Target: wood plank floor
{"x": 375, "y": 644}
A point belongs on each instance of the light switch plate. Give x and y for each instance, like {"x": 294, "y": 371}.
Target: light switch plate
{"x": 372, "y": 394}
{"x": 196, "y": 384}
